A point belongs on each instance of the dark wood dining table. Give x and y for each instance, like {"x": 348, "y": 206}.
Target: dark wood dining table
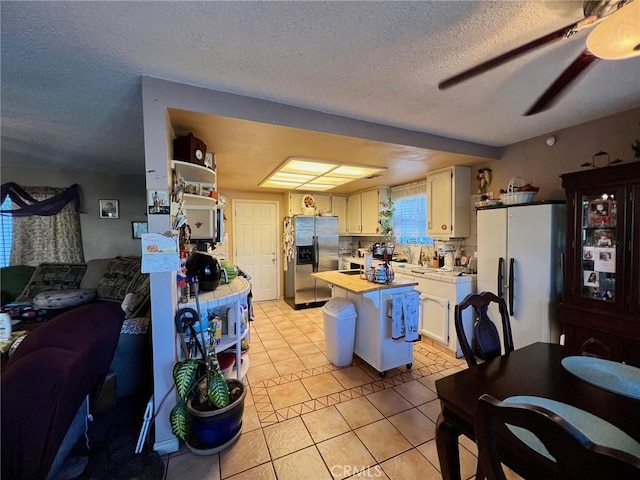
{"x": 533, "y": 370}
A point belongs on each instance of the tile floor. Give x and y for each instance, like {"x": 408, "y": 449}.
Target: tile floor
{"x": 304, "y": 418}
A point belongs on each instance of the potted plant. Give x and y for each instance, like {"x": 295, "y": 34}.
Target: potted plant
{"x": 208, "y": 415}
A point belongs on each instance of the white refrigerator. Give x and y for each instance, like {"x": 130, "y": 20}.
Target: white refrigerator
{"x": 519, "y": 258}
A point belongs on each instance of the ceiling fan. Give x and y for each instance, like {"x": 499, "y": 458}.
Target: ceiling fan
{"x": 616, "y": 36}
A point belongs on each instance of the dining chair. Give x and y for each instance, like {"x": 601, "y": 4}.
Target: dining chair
{"x": 486, "y": 340}
{"x": 593, "y": 347}
{"x": 574, "y": 455}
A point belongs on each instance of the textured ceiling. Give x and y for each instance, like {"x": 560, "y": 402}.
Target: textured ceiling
{"x": 71, "y": 88}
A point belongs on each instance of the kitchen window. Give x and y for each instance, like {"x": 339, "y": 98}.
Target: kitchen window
{"x": 410, "y": 214}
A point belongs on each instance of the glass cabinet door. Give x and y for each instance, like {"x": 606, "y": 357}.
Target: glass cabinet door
{"x": 599, "y": 241}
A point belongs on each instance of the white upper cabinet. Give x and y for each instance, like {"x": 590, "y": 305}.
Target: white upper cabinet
{"x": 293, "y": 203}
{"x": 448, "y": 203}
{"x": 339, "y": 209}
{"x": 364, "y": 211}
{"x": 354, "y": 214}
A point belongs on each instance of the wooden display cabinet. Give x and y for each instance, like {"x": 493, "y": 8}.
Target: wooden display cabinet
{"x": 600, "y": 312}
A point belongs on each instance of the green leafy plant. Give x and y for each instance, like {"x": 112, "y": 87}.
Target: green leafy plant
{"x": 386, "y": 216}
{"x": 201, "y": 380}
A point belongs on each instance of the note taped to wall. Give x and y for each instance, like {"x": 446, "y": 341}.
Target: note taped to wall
{"x": 159, "y": 253}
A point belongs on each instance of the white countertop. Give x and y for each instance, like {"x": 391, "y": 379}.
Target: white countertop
{"x": 420, "y": 272}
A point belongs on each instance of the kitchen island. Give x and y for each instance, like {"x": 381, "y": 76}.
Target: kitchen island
{"x": 373, "y": 341}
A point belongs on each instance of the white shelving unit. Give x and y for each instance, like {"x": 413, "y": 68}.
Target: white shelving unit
{"x": 229, "y": 297}
{"x": 196, "y": 174}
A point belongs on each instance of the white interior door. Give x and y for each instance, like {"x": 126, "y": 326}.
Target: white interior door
{"x": 255, "y": 239}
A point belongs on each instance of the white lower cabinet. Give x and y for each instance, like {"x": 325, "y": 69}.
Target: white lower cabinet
{"x": 439, "y": 294}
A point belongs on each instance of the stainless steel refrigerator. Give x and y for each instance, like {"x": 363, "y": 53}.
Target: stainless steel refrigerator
{"x": 315, "y": 249}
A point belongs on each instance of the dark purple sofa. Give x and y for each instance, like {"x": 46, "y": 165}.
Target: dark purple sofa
{"x": 46, "y": 380}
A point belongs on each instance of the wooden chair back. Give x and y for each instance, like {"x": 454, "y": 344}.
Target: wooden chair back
{"x": 486, "y": 340}
{"x": 576, "y": 457}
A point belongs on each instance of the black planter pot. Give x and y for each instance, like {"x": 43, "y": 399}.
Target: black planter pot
{"x": 215, "y": 430}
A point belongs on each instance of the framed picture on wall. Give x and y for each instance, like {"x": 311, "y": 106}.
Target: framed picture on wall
{"x": 109, "y": 209}
{"x": 138, "y": 228}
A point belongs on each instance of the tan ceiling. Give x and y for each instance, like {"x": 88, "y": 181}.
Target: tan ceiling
{"x": 247, "y": 152}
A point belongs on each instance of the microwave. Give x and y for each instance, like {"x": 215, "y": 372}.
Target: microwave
{"x": 206, "y": 223}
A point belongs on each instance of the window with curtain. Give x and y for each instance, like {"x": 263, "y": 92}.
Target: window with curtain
{"x": 410, "y": 214}
{"x": 6, "y": 236}
{"x": 45, "y": 224}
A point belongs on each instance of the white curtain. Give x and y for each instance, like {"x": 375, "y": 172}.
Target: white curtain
{"x": 409, "y": 190}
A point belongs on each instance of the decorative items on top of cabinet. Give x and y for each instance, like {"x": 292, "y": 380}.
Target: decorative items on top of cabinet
{"x": 294, "y": 203}
{"x": 339, "y": 209}
{"x": 448, "y": 197}
{"x": 600, "y": 312}
{"x": 364, "y": 209}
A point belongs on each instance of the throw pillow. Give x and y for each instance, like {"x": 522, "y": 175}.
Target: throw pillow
{"x": 64, "y": 298}
{"x": 117, "y": 277}
{"x": 95, "y": 271}
{"x": 53, "y": 276}
{"x": 136, "y": 301}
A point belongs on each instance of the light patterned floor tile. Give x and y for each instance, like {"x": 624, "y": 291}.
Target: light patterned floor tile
{"x": 389, "y": 402}
{"x": 383, "y": 440}
{"x": 357, "y": 417}
{"x": 288, "y": 394}
{"x": 235, "y": 459}
{"x": 305, "y": 464}
{"x": 410, "y": 465}
{"x": 345, "y": 455}
{"x": 287, "y": 437}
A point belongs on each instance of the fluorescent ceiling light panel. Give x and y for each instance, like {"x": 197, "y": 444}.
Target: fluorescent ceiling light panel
{"x": 307, "y": 166}
{"x": 276, "y": 184}
{"x": 318, "y": 187}
{"x": 292, "y": 177}
{"x": 353, "y": 171}
{"x": 302, "y": 173}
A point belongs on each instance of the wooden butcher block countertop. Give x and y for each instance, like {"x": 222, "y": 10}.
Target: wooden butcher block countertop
{"x": 355, "y": 284}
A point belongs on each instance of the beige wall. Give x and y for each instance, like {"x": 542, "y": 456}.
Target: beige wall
{"x": 542, "y": 165}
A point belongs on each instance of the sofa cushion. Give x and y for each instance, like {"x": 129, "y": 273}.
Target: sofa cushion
{"x": 138, "y": 295}
{"x": 53, "y": 276}
{"x": 95, "y": 271}
{"x": 115, "y": 282}
{"x": 64, "y": 298}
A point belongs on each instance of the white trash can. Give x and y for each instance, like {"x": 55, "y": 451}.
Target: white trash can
{"x": 339, "y": 330}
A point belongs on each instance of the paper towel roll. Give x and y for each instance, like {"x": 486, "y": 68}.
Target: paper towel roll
{"x": 368, "y": 262}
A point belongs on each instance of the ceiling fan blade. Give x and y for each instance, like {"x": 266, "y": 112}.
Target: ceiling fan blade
{"x": 516, "y": 52}
{"x": 557, "y": 88}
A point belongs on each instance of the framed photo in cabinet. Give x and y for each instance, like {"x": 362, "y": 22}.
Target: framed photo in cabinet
{"x": 600, "y": 212}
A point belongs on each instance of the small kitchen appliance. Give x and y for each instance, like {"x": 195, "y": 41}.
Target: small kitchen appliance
{"x": 207, "y": 268}
{"x": 447, "y": 251}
